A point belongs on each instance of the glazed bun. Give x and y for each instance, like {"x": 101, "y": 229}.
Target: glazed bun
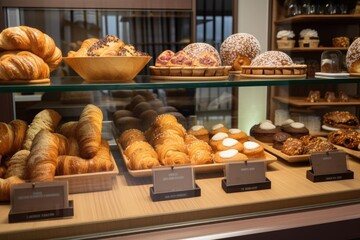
{"x": 239, "y": 49}
{"x": 272, "y": 59}
{"x": 353, "y": 57}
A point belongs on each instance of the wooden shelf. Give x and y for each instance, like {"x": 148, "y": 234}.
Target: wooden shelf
{"x": 318, "y": 49}
{"x": 336, "y": 18}
{"x": 301, "y": 102}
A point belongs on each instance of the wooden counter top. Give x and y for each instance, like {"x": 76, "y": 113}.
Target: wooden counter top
{"x": 129, "y": 206}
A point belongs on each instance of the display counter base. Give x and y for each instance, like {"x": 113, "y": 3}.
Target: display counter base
{"x": 42, "y": 215}
{"x": 196, "y": 192}
{"x": 246, "y": 187}
{"x": 329, "y": 177}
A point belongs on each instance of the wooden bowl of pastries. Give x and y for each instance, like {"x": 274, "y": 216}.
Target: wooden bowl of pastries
{"x": 108, "y": 69}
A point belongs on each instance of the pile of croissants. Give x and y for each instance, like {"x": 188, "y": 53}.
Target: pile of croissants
{"x": 26, "y": 53}
{"x": 45, "y": 148}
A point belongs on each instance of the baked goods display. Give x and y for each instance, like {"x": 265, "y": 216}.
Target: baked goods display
{"x": 306, "y": 145}
{"x": 194, "y": 60}
{"x": 39, "y": 152}
{"x": 309, "y": 38}
{"x": 239, "y": 49}
{"x": 27, "y": 55}
{"x": 315, "y": 96}
{"x": 273, "y": 64}
{"x": 285, "y": 39}
{"x": 340, "y": 119}
{"x": 353, "y": 57}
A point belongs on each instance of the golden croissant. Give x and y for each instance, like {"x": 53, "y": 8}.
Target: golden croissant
{"x": 22, "y": 65}
{"x": 33, "y": 40}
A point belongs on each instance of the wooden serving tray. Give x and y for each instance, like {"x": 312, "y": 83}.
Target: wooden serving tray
{"x": 202, "y": 168}
{"x": 293, "y": 71}
{"x": 90, "y": 182}
{"x": 190, "y": 73}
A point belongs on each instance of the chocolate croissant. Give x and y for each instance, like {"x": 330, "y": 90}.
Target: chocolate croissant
{"x": 32, "y": 40}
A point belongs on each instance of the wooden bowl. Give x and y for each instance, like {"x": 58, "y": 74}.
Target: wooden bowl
{"x": 107, "y": 69}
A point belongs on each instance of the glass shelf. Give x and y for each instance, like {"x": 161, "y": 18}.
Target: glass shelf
{"x": 144, "y": 82}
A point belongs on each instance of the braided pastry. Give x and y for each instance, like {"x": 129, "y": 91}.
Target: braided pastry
{"x": 141, "y": 155}
{"x": 32, "y": 40}
{"x": 22, "y": 65}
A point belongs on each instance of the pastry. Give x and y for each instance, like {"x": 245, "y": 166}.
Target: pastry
{"x": 82, "y": 51}
{"x": 200, "y": 132}
{"x": 47, "y": 119}
{"x": 172, "y": 154}
{"x": 318, "y": 146}
{"x": 166, "y": 109}
{"x": 141, "y": 155}
{"x": 164, "y": 119}
{"x": 309, "y": 38}
{"x": 17, "y": 165}
{"x": 254, "y": 150}
{"x": 164, "y": 58}
{"x": 345, "y": 137}
{"x": 272, "y": 59}
{"x": 229, "y": 143}
{"x": 230, "y": 155}
{"x": 279, "y": 139}
{"x": 285, "y": 39}
{"x": 167, "y": 138}
{"x": 195, "y": 50}
{"x": 353, "y": 57}
{"x": 129, "y": 50}
{"x": 125, "y": 123}
{"x": 76, "y": 165}
{"x": 287, "y": 122}
{"x": 296, "y": 129}
{"x": 218, "y": 128}
{"x": 180, "y": 59}
{"x": 330, "y": 97}
{"x": 68, "y": 129}
{"x": 237, "y": 134}
{"x": 42, "y": 161}
{"x": 5, "y": 186}
{"x": 217, "y": 139}
{"x": 135, "y": 101}
{"x": 340, "y": 119}
{"x": 199, "y": 152}
{"x": 19, "y": 128}
{"x": 6, "y": 138}
{"x": 313, "y": 96}
{"x": 140, "y": 108}
{"x": 88, "y": 131}
{"x": 239, "y": 49}
{"x": 206, "y": 59}
{"x": 343, "y": 97}
{"x": 341, "y": 42}
{"x": 147, "y": 118}
{"x": 24, "y": 38}
{"x": 129, "y": 136}
{"x": 264, "y": 131}
{"x": 109, "y": 45}
{"x": 293, "y": 146}
{"x": 122, "y": 113}
{"x": 22, "y": 65}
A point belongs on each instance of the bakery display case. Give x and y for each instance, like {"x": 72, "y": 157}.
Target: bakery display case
{"x": 113, "y": 138}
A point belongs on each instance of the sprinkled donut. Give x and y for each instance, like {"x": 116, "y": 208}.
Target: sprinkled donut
{"x": 272, "y": 59}
{"x": 243, "y": 45}
{"x": 194, "y": 50}
{"x": 353, "y": 57}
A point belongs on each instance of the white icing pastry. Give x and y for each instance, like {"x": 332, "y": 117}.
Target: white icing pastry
{"x": 229, "y": 142}
{"x": 234, "y": 130}
{"x": 217, "y": 126}
{"x": 228, "y": 153}
{"x": 251, "y": 145}
{"x": 197, "y": 127}
{"x": 297, "y": 125}
{"x": 267, "y": 120}
{"x": 219, "y": 136}
{"x": 311, "y": 33}
{"x": 267, "y": 126}
{"x": 287, "y": 121}
{"x": 285, "y": 33}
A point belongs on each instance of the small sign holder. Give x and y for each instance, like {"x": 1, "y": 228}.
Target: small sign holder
{"x": 328, "y": 166}
{"x": 245, "y": 176}
{"x": 40, "y": 201}
{"x": 173, "y": 183}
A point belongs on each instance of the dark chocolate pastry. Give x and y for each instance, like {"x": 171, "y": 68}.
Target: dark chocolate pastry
{"x": 296, "y": 129}
{"x": 279, "y": 139}
{"x": 264, "y": 132}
